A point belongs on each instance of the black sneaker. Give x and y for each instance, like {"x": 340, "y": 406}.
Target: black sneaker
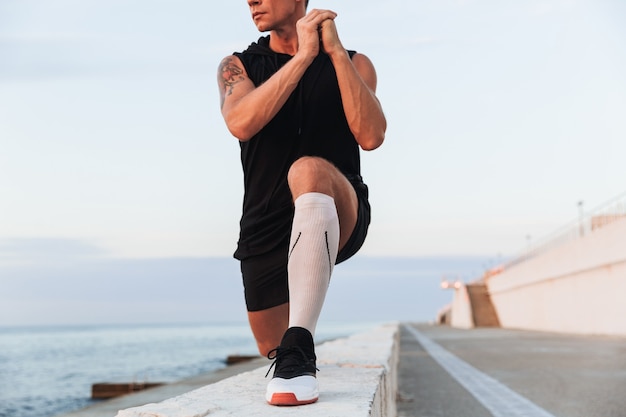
{"x": 294, "y": 381}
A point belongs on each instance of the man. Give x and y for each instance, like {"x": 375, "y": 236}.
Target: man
{"x": 301, "y": 106}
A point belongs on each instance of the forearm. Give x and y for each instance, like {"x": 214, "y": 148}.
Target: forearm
{"x": 246, "y": 116}
{"x": 363, "y": 110}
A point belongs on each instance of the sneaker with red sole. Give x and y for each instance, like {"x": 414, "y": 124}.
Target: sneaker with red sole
{"x": 294, "y": 381}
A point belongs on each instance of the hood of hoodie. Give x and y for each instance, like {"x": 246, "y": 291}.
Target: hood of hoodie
{"x": 262, "y": 47}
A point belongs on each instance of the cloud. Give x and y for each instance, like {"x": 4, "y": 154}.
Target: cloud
{"x": 120, "y": 290}
{"x": 210, "y": 289}
{"x": 31, "y": 250}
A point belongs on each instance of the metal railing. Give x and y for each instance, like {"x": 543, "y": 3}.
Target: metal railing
{"x": 587, "y": 222}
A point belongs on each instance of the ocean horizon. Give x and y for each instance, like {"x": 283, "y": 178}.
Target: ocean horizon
{"x": 203, "y": 290}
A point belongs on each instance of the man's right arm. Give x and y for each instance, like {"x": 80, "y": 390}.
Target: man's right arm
{"x": 246, "y": 108}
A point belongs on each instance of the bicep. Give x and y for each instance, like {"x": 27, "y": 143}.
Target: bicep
{"x": 233, "y": 82}
{"x": 366, "y": 70}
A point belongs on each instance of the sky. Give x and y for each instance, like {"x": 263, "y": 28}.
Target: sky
{"x": 502, "y": 116}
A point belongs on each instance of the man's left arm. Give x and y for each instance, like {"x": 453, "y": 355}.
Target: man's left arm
{"x": 357, "y": 84}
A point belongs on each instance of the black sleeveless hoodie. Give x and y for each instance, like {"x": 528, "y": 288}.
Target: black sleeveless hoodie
{"x": 312, "y": 122}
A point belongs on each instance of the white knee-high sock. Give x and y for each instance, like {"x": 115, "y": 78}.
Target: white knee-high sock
{"x": 313, "y": 251}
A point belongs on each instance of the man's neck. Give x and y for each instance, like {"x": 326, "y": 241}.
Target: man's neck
{"x": 284, "y": 41}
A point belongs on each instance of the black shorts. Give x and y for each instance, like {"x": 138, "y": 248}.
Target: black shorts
{"x": 265, "y": 276}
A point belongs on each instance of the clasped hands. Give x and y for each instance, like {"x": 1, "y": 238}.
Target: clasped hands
{"x": 317, "y": 29}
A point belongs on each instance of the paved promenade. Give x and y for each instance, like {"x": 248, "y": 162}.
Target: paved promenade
{"x": 496, "y": 372}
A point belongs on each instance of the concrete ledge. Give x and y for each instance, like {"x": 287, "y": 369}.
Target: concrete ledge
{"x": 357, "y": 377}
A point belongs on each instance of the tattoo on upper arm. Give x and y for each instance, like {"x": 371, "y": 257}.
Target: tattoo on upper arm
{"x": 229, "y": 75}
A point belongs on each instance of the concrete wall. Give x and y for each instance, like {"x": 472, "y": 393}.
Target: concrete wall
{"x": 357, "y": 377}
{"x": 577, "y": 287}
{"x": 461, "y": 312}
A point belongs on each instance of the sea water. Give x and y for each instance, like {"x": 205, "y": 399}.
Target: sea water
{"x": 49, "y": 370}
{"x": 45, "y": 371}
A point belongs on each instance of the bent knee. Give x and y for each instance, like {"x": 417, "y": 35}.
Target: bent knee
{"x": 311, "y": 173}
{"x": 308, "y": 166}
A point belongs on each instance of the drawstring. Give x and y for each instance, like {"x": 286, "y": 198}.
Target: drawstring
{"x": 299, "y": 105}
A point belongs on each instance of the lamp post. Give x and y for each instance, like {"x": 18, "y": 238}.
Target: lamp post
{"x": 581, "y": 227}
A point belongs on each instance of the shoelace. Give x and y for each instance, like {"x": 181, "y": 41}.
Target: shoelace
{"x": 280, "y": 352}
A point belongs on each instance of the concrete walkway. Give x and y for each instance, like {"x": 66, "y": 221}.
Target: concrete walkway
{"x": 496, "y": 372}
